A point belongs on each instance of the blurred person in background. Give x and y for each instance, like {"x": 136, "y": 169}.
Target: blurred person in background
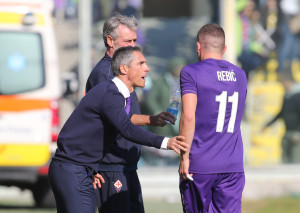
{"x": 271, "y": 16}
{"x": 251, "y": 54}
{"x": 120, "y": 31}
{"x": 289, "y": 49}
{"x": 290, "y": 113}
{"x": 158, "y": 100}
{"x": 213, "y": 93}
{"x": 59, "y": 9}
{"x": 215, "y": 8}
{"x": 71, "y": 9}
{"x": 266, "y": 26}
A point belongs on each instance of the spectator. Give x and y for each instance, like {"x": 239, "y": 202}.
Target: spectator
{"x": 159, "y": 97}
{"x": 290, "y": 113}
{"x": 250, "y": 53}
{"x": 157, "y": 100}
{"x": 290, "y": 31}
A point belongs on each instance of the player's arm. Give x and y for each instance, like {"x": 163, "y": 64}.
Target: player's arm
{"x": 187, "y": 129}
{"x": 153, "y": 120}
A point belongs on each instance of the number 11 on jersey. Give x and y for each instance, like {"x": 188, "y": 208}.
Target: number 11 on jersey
{"x": 222, "y": 99}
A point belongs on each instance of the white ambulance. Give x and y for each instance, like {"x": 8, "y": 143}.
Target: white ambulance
{"x": 30, "y": 90}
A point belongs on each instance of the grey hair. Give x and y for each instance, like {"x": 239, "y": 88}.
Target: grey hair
{"x": 110, "y": 26}
{"x": 123, "y": 56}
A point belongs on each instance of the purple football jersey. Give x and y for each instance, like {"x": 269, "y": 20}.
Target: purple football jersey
{"x": 221, "y": 89}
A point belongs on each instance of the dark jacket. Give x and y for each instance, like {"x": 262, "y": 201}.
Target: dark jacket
{"x": 91, "y": 130}
{"x": 123, "y": 155}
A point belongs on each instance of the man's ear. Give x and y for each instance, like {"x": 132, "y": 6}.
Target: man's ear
{"x": 110, "y": 41}
{"x": 123, "y": 69}
{"x": 198, "y": 47}
{"x": 225, "y": 48}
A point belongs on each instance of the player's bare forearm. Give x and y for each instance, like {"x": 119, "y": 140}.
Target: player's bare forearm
{"x": 187, "y": 120}
{"x": 187, "y": 129}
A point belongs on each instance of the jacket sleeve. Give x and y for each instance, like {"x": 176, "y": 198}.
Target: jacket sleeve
{"x": 113, "y": 111}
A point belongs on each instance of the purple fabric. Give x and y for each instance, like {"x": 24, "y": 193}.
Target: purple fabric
{"x": 59, "y": 4}
{"x": 212, "y": 193}
{"x": 216, "y": 148}
{"x": 128, "y": 102}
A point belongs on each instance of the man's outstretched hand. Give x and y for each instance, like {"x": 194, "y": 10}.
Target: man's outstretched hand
{"x": 177, "y": 143}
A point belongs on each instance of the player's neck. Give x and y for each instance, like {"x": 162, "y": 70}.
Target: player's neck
{"x": 211, "y": 55}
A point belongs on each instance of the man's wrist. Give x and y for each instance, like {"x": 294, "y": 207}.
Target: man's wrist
{"x": 184, "y": 157}
{"x": 141, "y": 120}
{"x": 164, "y": 144}
{"x": 151, "y": 120}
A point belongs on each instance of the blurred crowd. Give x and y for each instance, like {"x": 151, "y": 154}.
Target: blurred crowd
{"x": 266, "y": 29}
{"x": 269, "y": 31}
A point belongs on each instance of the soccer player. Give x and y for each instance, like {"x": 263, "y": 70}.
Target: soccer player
{"x": 213, "y": 100}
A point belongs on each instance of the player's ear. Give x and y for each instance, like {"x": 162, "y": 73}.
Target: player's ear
{"x": 224, "y": 50}
{"x": 198, "y": 47}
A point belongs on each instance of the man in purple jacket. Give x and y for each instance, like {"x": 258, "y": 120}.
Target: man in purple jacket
{"x": 213, "y": 100}
{"x": 91, "y": 131}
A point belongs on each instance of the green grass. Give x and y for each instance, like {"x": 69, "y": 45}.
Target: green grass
{"x": 162, "y": 207}
{"x": 274, "y": 205}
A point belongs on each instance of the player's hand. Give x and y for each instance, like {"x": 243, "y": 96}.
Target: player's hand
{"x": 97, "y": 180}
{"x": 161, "y": 118}
{"x": 177, "y": 143}
{"x": 184, "y": 169}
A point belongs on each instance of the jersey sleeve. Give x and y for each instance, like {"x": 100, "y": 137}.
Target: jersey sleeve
{"x": 187, "y": 83}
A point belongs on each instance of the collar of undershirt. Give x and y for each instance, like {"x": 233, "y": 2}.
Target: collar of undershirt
{"x": 123, "y": 89}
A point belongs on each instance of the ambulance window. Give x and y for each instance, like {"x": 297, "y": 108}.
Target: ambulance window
{"x": 21, "y": 62}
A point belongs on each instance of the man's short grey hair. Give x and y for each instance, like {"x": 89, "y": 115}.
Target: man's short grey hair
{"x": 123, "y": 56}
{"x": 111, "y": 25}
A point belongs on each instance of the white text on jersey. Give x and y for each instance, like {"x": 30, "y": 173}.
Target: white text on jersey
{"x": 226, "y": 76}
